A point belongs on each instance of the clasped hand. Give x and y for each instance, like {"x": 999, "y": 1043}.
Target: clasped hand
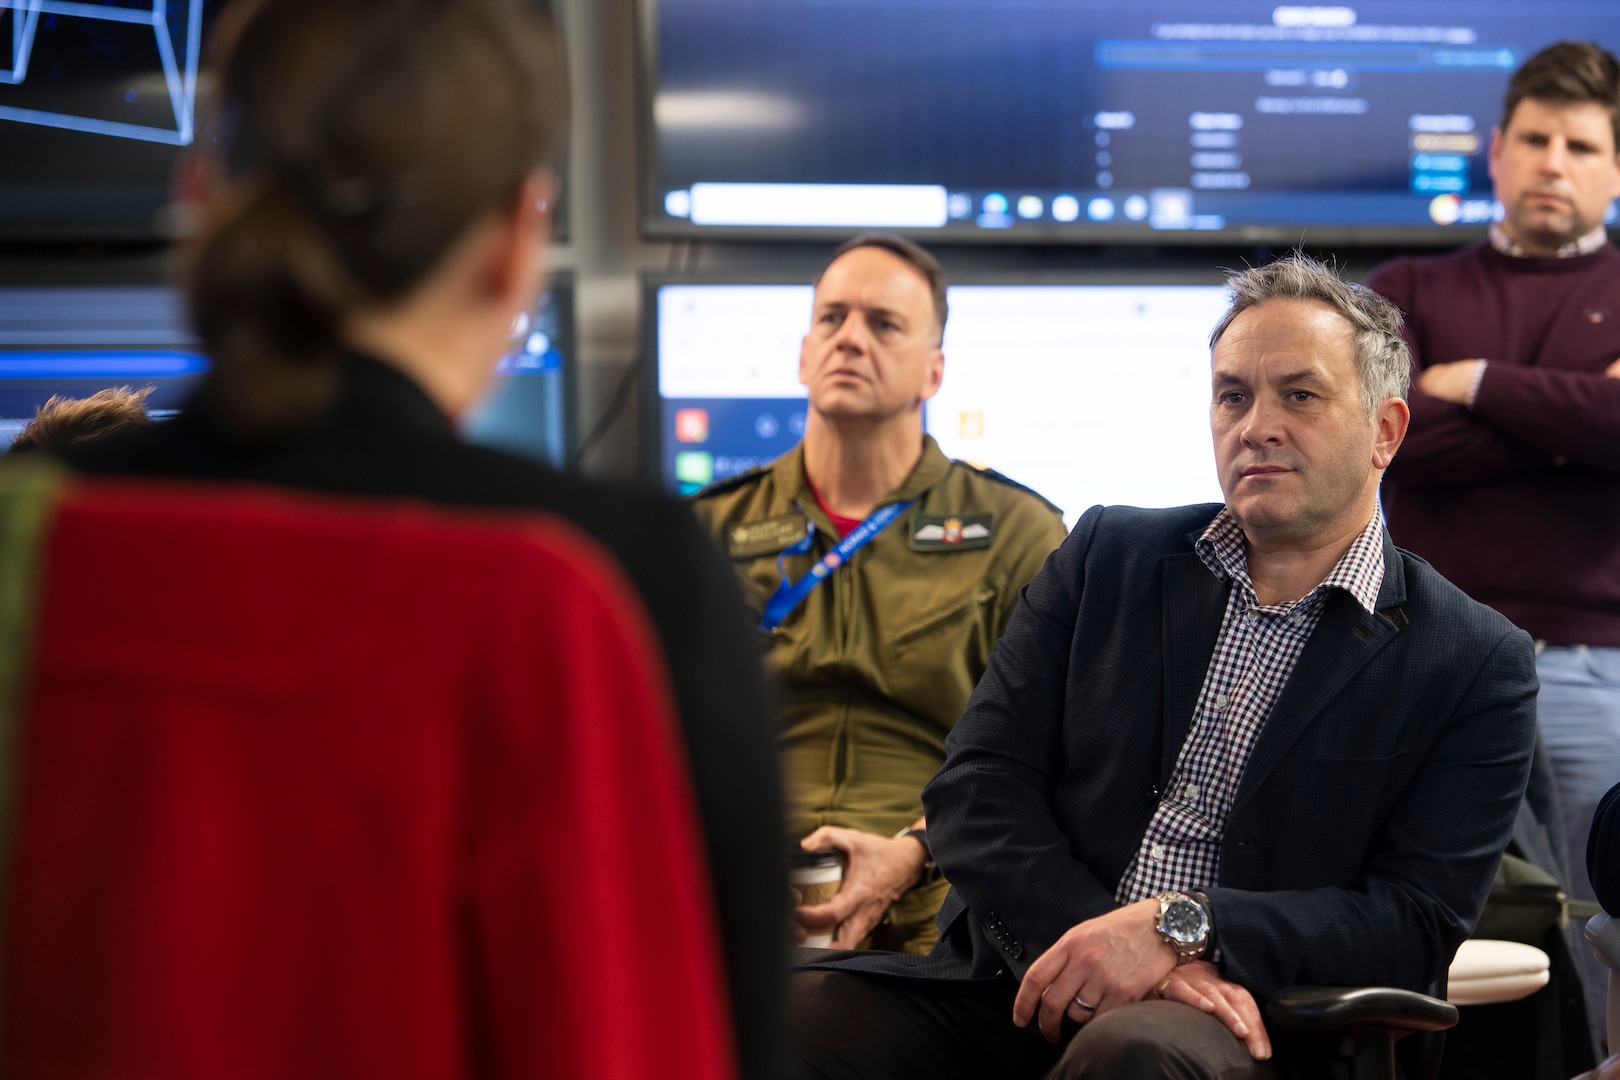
{"x": 1119, "y": 959}
{"x": 879, "y": 871}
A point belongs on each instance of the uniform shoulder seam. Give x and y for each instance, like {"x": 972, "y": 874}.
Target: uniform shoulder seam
{"x": 1002, "y": 478}
{"x": 730, "y": 483}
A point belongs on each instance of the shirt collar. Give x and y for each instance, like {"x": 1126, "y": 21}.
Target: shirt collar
{"x": 1584, "y": 245}
{"x": 930, "y": 468}
{"x": 1359, "y": 571}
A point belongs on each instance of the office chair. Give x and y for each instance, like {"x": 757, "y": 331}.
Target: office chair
{"x": 1368, "y": 1022}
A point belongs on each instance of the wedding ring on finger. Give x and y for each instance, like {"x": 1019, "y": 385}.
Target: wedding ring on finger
{"x": 1078, "y": 1000}
{"x": 1158, "y": 991}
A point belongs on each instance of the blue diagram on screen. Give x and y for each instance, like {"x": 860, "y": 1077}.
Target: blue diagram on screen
{"x": 70, "y": 87}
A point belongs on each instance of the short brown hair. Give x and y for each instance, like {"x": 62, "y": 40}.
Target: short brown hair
{"x": 1568, "y": 73}
{"x": 915, "y": 254}
{"x": 62, "y": 421}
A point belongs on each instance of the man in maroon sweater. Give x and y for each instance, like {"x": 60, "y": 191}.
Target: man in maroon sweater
{"x": 1509, "y": 481}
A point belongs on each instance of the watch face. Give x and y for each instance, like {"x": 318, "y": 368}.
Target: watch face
{"x": 1184, "y": 922}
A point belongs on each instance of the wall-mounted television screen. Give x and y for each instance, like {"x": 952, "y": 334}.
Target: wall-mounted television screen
{"x": 1088, "y": 393}
{"x": 97, "y": 97}
{"x": 74, "y": 341}
{"x": 1082, "y": 120}
{"x": 529, "y": 406}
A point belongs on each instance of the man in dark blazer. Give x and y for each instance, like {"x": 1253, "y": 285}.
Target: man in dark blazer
{"x": 1220, "y": 751}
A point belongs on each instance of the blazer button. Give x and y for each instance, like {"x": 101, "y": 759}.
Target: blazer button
{"x": 1243, "y": 843}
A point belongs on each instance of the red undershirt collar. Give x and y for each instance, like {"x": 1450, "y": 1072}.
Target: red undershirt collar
{"x": 844, "y": 525}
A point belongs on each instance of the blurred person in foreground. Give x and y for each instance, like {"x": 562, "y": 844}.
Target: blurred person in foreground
{"x": 377, "y": 187}
{"x": 62, "y": 420}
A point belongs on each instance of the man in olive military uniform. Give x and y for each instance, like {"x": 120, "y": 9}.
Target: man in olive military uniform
{"x": 907, "y": 567}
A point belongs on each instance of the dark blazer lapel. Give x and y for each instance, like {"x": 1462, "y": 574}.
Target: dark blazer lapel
{"x": 1193, "y": 601}
{"x": 1344, "y": 641}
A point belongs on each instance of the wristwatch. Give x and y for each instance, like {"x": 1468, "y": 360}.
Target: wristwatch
{"x": 930, "y": 872}
{"x": 1184, "y": 925}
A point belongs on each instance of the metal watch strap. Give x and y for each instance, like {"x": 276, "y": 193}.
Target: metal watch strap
{"x": 1185, "y": 954}
{"x": 1212, "y": 951}
{"x": 930, "y": 872}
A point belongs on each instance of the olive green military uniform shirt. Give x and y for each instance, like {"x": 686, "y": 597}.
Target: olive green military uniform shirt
{"x": 877, "y": 663}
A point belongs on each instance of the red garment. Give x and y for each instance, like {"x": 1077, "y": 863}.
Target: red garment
{"x": 1517, "y": 500}
{"x": 307, "y": 790}
{"x": 844, "y": 525}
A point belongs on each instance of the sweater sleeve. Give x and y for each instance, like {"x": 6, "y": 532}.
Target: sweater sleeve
{"x": 1446, "y": 443}
{"x": 1573, "y": 416}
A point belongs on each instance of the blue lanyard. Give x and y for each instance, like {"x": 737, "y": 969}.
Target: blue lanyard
{"x": 790, "y": 595}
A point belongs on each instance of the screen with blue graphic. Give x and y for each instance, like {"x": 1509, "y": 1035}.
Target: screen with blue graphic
{"x": 1088, "y": 393}
{"x": 529, "y": 406}
{"x": 74, "y": 341}
{"x": 96, "y": 98}
{"x": 1052, "y": 120}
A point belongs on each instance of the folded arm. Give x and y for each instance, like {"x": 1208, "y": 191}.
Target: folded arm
{"x": 1574, "y": 416}
{"x": 1522, "y": 420}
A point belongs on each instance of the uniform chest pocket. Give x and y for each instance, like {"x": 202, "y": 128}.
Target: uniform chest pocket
{"x": 963, "y": 607}
{"x": 935, "y": 657}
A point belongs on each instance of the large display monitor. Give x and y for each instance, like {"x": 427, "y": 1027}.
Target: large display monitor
{"x": 1087, "y": 392}
{"x": 1084, "y": 120}
{"x": 73, "y": 341}
{"x": 97, "y": 97}
{"x": 529, "y": 407}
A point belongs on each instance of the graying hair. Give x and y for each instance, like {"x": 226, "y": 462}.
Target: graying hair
{"x": 1383, "y": 362}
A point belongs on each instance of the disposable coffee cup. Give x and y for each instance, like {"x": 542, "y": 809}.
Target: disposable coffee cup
{"x": 818, "y": 875}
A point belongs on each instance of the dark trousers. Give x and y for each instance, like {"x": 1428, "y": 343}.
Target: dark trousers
{"x": 846, "y": 1026}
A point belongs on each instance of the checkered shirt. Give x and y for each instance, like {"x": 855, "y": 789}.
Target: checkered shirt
{"x": 1254, "y": 656}
{"x": 1581, "y": 245}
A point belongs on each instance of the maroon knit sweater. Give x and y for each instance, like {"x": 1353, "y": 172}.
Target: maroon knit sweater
{"x": 1516, "y": 500}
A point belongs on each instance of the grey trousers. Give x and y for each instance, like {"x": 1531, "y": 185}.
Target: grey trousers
{"x": 846, "y": 1026}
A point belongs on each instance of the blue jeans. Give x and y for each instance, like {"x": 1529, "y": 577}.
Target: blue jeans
{"x": 1579, "y": 710}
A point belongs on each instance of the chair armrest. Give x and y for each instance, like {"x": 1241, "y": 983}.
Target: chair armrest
{"x": 1335, "y": 1008}
{"x": 1604, "y": 934}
